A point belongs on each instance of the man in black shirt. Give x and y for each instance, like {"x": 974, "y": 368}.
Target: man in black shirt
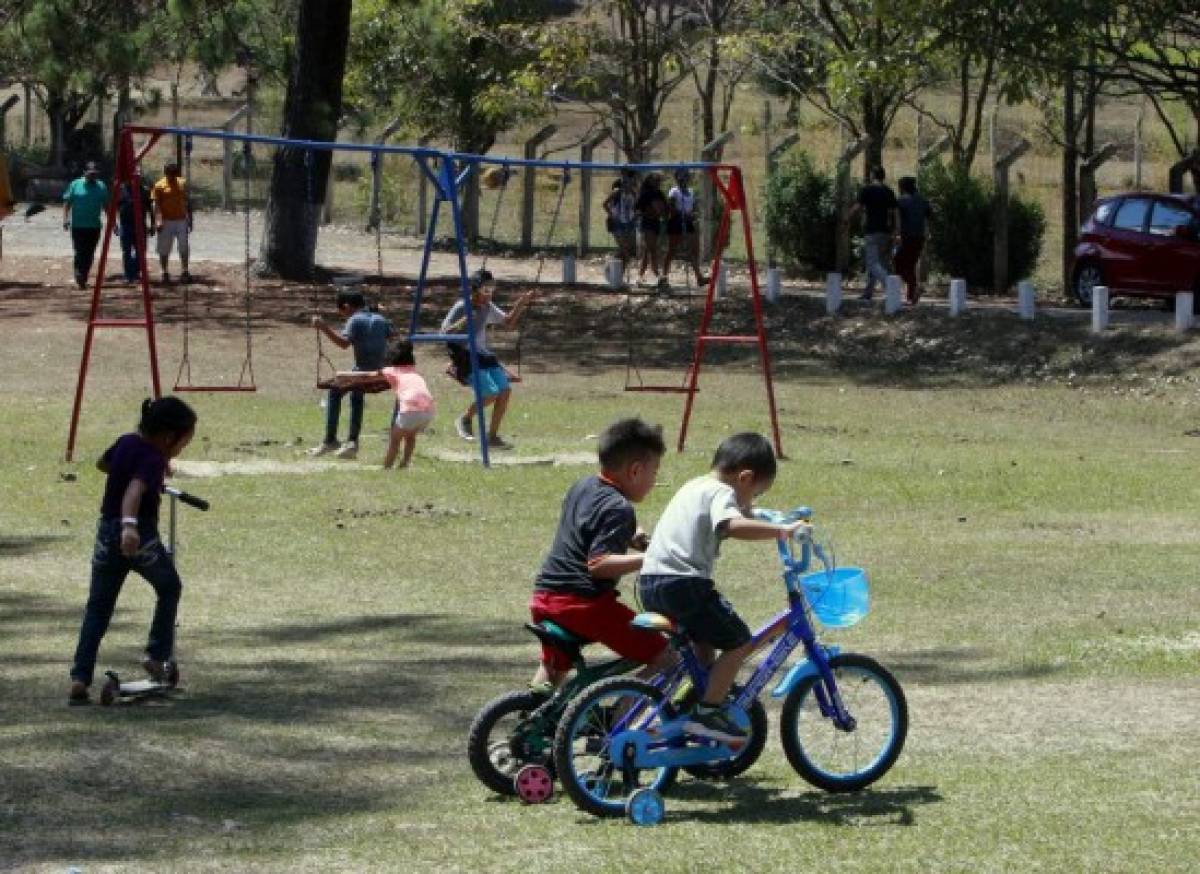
{"x": 881, "y": 228}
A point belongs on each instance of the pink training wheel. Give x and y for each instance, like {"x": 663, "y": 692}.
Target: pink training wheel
{"x": 534, "y": 784}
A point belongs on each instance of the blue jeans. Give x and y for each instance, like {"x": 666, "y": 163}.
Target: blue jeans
{"x": 333, "y": 411}
{"x": 109, "y": 569}
{"x": 129, "y": 257}
{"x": 877, "y": 250}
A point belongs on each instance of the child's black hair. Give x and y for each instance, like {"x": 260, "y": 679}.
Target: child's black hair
{"x": 481, "y": 277}
{"x": 164, "y": 416}
{"x": 907, "y": 185}
{"x": 400, "y": 354}
{"x": 629, "y": 440}
{"x": 746, "y": 451}
{"x": 349, "y": 297}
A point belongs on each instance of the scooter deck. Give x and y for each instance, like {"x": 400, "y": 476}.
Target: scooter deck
{"x": 114, "y": 690}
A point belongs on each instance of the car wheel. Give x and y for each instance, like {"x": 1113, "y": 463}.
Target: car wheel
{"x": 1087, "y": 276}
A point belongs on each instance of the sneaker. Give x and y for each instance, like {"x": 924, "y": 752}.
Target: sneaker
{"x": 166, "y": 278}
{"x": 464, "y": 428}
{"x": 80, "y": 280}
{"x": 78, "y": 694}
{"x": 161, "y": 672}
{"x": 495, "y": 441}
{"x": 324, "y": 448}
{"x": 866, "y": 295}
{"x": 349, "y": 450}
{"x": 713, "y": 723}
{"x": 185, "y": 277}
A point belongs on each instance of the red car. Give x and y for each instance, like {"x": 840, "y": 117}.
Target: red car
{"x": 1140, "y": 244}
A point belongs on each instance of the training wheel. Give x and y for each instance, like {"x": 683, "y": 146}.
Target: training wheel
{"x": 646, "y": 807}
{"x": 108, "y": 692}
{"x": 534, "y": 784}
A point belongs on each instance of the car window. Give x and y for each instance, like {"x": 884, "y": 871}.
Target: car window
{"x": 1167, "y": 217}
{"x": 1104, "y": 212}
{"x": 1131, "y": 215}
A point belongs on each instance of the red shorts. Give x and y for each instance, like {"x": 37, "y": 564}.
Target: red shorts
{"x": 604, "y": 620}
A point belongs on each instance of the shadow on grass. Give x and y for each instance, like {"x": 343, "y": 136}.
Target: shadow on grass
{"x": 752, "y": 802}
{"x": 11, "y": 547}
{"x": 962, "y": 665}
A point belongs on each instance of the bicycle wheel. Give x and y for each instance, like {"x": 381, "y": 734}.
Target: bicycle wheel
{"x": 490, "y": 743}
{"x": 747, "y": 755}
{"x": 846, "y": 761}
{"x": 581, "y": 746}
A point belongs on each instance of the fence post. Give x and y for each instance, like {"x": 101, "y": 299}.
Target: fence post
{"x": 1138, "y": 147}
{"x": 849, "y": 153}
{"x": 1099, "y": 308}
{"x": 833, "y": 293}
{"x": 8, "y": 104}
{"x": 529, "y": 184}
{"x": 27, "y": 121}
{"x": 1184, "y": 314}
{"x": 1025, "y": 300}
{"x": 711, "y": 152}
{"x": 1000, "y": 214}
{"x": 1087, "y": 177}
{"x": 586, "y": 149}
{"x": 958, "y": 297}
{"x": 375, "y": 211}
{"x": 891, "y": 295}
{"x": 227, "y": 159}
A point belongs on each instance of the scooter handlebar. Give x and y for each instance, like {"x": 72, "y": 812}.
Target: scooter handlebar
{"x": 189, "y": 499}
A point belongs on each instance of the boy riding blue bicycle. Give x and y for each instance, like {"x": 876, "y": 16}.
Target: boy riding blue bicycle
{"x": 677, "y": 571}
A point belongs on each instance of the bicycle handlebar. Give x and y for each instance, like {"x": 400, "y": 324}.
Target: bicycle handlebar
{"x": 189, "y": 499}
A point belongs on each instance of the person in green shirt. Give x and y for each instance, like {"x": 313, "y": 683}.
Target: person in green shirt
{"x": 83, "y": 202}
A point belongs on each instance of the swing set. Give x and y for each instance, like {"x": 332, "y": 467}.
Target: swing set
{"x": 447, "y": 172}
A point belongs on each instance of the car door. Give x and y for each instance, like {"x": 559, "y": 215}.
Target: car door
{"x": 1127, "y": 245}
{"x": 1174, "y": 263}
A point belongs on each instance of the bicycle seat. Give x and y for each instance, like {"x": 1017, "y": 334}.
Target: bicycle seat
{"x": 554, "y": 635}
{"x": 657, "y": 622}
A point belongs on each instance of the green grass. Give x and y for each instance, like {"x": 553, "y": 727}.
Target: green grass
{"x": 1032, "y": 550}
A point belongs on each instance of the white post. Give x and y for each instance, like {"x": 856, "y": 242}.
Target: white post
{"x": 1183, "y": 311}
{"x": 958, "y": 296}
{"x": 722, "y": 281}
{"x": 1099, "y": 308}
{"x": 833, "y": 293}
{"x": 1025, "y": 299}
{"x": 773, "y": 284}
{"x": 891, "y": 295}
{"x": 568, "y": 269}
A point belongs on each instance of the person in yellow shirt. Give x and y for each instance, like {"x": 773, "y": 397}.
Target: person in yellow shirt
{"x": 173, "y": 207}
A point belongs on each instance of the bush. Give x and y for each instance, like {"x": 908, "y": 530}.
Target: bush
{"x": 801, "y": 214}
{"x": 962, "y": 228}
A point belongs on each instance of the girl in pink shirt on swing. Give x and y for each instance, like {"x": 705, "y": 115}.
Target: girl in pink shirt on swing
{"x": 414, "y": 404}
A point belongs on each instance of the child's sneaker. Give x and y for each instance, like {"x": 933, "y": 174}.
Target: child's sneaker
{"x": 349, "y": 450}
{"x": 161, "y": 672}
{"x": 324, "y": 449}
{"x": 464, "y": 428}
{"x": 78, "y": 694}
{"x": 495, "y": 441}
{"x": 713, "y": 723}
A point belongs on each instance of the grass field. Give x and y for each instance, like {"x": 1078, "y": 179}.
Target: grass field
{"x": 1032, "y": 545}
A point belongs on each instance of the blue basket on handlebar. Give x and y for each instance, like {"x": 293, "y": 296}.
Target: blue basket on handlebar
{"x": 840, "y": 597}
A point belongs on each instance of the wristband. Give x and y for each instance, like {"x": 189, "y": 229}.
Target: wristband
{"x": 129, "y": 520}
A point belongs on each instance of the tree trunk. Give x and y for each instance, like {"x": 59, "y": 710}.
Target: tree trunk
{"x": 310, "y": 112}
{"x": 1070, "y": 155}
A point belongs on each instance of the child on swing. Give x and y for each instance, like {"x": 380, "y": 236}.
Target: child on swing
{"x": 127, "y": 540}
{"x": 414, "y": 404}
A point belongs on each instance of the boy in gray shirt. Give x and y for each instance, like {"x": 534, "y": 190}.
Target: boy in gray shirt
{"x": 677, "y": 571}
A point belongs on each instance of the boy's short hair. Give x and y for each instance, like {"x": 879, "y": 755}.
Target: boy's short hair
{"x": 878, "y": 174}
{"x": 746, "y": 451}
{"x": 400, "y": 353}
{"x": 480, "y": 278}
{"x": 628, "y": 440}
{"x": 349, "y": 297}
{"x": 907, "y": 185}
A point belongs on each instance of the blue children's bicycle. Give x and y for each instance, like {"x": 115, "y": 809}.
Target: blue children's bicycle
{"x": 621, "y": 743}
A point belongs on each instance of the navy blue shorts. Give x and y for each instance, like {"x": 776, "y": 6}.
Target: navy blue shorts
{"x": 694, "y": 603}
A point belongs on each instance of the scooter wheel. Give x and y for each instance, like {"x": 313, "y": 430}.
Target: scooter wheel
{"x": 108, "y": 692}
{"x": 534, "y": 784}
{"x": 646, "y": 807}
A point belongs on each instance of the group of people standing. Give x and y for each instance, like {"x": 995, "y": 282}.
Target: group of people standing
{"x": 634, "y": 209}
{"x": 892, "y": 224}
{"x": 167, "y": 212}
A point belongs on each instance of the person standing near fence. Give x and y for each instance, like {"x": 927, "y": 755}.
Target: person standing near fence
{"x": 83, "y": 201}
{"x": 127, "y": 224}
{"x": 882, "y": 224}
{"x": 914, "y": 211}
{"x": 173, "y": 202}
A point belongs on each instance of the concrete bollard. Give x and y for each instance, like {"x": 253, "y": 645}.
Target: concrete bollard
{"x": 614, "y": 273}
{"x": 568, "y": 269}
{"x": 1025, "y": 300}
{"x": 773, "y": 284}
{"x": 891, "y": 295}
{"x": 1099, "y": 308}
{"x": 833, "y": 293}
{"x": 958, "y": 296}
{"x": 1184, "y": 314}
{"x": 722, "y": 282}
